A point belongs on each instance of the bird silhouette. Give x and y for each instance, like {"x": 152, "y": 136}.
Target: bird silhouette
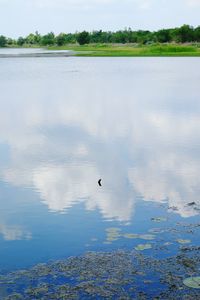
{"x": 99, "y": 182}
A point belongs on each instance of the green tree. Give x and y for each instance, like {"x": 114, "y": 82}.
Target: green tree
{"x": 37, "y": 37}
{"x": 119, "y": 37}
{"x": 184, "y": 34}
{"x": 96, "y": 37}
{"x": 61, "y": 39}
{"x": 3, "y": 41}
{"x": 33, "y": 39}
{"x": 48, "y": 39}
{"x": 144, "y": 36}
{"x": 83, "y": 38}
{"x": 163, "y": 36}
{"x": 21, "y": 41}
{"x": 10, "y": 42}
{"x": 30, "y": 39}
{"x": 197, "y": 34}
{"x": 70, "y": 38}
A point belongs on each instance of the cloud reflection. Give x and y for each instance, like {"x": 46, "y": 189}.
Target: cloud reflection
{"x": 139, "y": 143}
{"x": 14, "y": 233}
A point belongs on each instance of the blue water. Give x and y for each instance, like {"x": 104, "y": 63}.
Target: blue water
{"x": 65, "y": 123}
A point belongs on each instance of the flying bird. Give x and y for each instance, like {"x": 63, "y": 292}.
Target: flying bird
{"x": 99, "y": 182}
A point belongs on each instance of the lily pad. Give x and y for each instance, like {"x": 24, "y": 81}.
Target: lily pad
{"x": 181, "y": 241}
{"x": 159, "y": 219}
{"x": 192, "y": 282}
{"x": 131, "y": 235}
{"x": 139, "y": 236}
{"x": 112, "y": 238}
{"x": 168, "y": 244}
{"x": 156, "y": 230}
{"x": 113, "y": 234}
{"x": 113, "y": 229}
{"x": 147, "y": 236}
{"x": 142, "y": 247}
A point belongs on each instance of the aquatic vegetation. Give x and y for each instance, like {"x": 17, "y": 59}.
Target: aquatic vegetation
{"x": 139, "y": 236}
{"x": 192, "y": 282}
{"x": 181, "y": 241}
{"x": 147, "y": 236}
{"x": 15, "y": 296}
{"x": 168, "y": 243}
{"x": 112, "y": 234}
{"x": 159, "y": 219}
{"x": 142, "y": 247}
{"x": 113, "y": 229}
{"x": 156, "y": 230}
{"x": 131, "y": 235}
{"x": 107, "y": 275}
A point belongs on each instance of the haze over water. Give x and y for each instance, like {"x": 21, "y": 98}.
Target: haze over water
{"x": 65, "y": 123}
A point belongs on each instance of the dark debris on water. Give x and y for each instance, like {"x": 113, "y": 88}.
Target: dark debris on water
{"x": 107, "y": 275}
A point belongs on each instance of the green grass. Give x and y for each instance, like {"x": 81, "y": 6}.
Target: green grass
{"x": 109, "y": 50}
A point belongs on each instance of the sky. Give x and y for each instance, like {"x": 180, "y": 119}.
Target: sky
{"x": 20, "y": 17}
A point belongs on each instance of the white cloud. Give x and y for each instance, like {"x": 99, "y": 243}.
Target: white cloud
{"x": 76, "y": 15}
{"x": 74, "y": 4}
{"x": 193, "y": 3}
{"x": 81, "y": 5}
{"x": 144, "y": 4}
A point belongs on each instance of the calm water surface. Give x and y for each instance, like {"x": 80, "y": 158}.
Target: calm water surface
{"x": 65, "y": 123}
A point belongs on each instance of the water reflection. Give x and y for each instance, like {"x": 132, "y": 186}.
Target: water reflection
{"x": 14, "y": 233}
{"x": 134, "y": 123}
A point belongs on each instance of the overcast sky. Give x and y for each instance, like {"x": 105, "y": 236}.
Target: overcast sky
{"x": 20, "y": 17}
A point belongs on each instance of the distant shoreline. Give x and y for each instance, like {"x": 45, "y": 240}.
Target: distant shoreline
{"x": 114, "y": 50}
{"x": 45, "y": 54}
{"x": 132, "y": 50}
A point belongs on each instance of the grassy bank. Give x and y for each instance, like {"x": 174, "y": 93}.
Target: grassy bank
{"x": 132, "y": 50}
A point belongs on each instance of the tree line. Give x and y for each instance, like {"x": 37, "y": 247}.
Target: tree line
{"x": 183, "y": 34}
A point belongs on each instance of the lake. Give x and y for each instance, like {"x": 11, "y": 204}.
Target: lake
{"x": 65, "y": 123}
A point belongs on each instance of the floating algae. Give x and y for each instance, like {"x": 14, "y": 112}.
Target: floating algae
{"x": 139, "y": 236}
{"x": 147, "y": 236}
{"x": 112, "y": 234}
{"x": 192, "y": 282}
{"x": 159, "y": 219}
{"x": 142, "y": 247}
{"x": 113, "y": 275}
{"x": 181, "y": 241}
{"x": 131, "y": 235}
{"x": 107, "y": 275}
{"x": 113, "y": 229}
{"x": 156, "y": 230}
{"x": 168, "y": 243}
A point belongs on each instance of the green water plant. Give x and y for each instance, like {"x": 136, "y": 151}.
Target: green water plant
{"x": 139, "y": 236}
{"x": 159, "y": 219}
{"x": 142, "y": 247}
{"x": 112, "y": 234}
{"x": 131, "y": 235}
{"x": 192, "y": 282}
{"x": 182, "y": 241}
